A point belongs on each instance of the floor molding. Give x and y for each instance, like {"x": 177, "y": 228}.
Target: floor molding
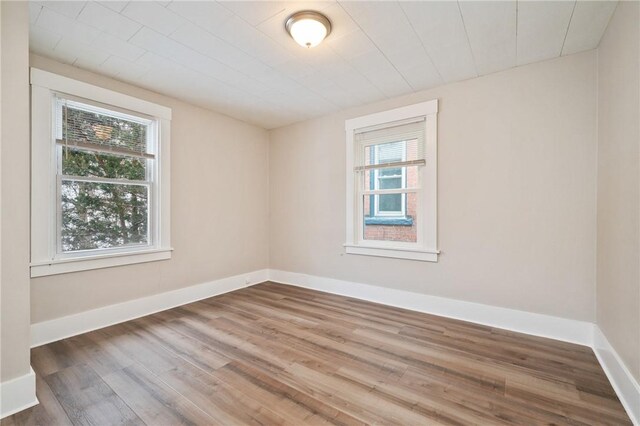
{"x": 18, "y": 394}
{"x": 580, "y": 332}
{"x": 623, "y": 382}
{"x": 568, "y": 330}
{"x": 72, "y": 325}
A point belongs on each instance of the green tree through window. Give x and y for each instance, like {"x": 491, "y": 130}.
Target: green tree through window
{"x": 104, "y": 188}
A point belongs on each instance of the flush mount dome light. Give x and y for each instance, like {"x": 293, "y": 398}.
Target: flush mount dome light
{"x": 308, "y": 28}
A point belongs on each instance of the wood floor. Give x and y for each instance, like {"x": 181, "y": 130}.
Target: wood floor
{"x": 274, "y": 354}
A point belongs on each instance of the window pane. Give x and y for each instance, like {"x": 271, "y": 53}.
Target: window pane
{"x": 103, "y": 215}
{"x": 390, "y": 183}
{"x": 380, "y": 227}
{"x": 390, "y": 203}
{"x": 390, "y": 152}
{"x": 102, "y": 129}
{"x": 394, "y": 178}
{"x": 391, "y": 172}
{"x": 82, "y": 163}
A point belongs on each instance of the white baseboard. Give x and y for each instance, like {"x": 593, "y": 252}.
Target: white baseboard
{"x": 61, "y": 328}
{"x": 18, "y": 394}
{"x": 580, "y": 332}
{"x": 568, "y": 330}
{"x": 623, "y": 382}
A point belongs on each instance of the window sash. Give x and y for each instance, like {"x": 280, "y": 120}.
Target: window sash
{"x": 104, "y": 149}
{"x": 390, "y": 131}
{"x": 151, "y": 238}
{"x": 390, "y": 213}
{"x": 96, "y": 179}
{"x": 96, "y": 107}
{"x": 124, "y": 247}
{"x": 402, "y": 132}
{"x": 390, "y": 165}
{"x": 63, "y": 100}
{"x": 390, "y": 191}
{"x": 377, "y": 154}
{"x": 403, "y": 245}
{"x": 152, "y": 140}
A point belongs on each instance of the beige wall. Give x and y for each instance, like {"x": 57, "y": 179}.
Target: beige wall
{"x": 14, "y": 167}
{"x": 517, "y": 193}
{"x": 517, "y": 196}
{"x": 219, "y": 199}
{"x": 618, "y": 276}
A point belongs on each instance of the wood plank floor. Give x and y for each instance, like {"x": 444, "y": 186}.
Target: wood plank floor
{"x": 274, "y": 354}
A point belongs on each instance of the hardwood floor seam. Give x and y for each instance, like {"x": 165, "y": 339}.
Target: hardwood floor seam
{"x": 274, "y": 354}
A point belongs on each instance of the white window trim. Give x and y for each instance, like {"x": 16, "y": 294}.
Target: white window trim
{"x": 44, "y": 258}
{"x": 426, "y": 249}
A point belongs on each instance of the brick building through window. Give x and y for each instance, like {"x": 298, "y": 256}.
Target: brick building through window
{"x": 391, "y": 217}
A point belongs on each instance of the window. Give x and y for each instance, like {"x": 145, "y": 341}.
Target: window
{"x": 391, "y": 183}
{"x": 391, "y": 178}
{"x": 100, "y": 189}
{"x": 106, "y": 168}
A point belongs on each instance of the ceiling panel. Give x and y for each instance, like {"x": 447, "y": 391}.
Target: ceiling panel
{"x": 236, "y": 57}
{"x": 386, "y": 24}
{"x": 114, "y": 5}
{"x": 247, "y": 38}
{"x": 105, "y": 19}
{"x": 542, "y": 28}
{"x": 153, "y": 15}
{"x": 440, "y": 28}
{"x": 162, "y": 46}
{"x": 207, "y": 44}
{"x": 589, "y": 20}
{"x": 208, "y": 15}
{"x": 255, "y": 12}
{"x": 72, "y": 50}
{"x": 122, "y": 68}
{"x": 491, "y": 28}
{"x": 317, "y": 68}
{"x": 117, "y": 47}
{"x": 341, "y": 22}
{"x": 34, "y": 12}
{"x": 60, "y": 24}
{"x": 351, "y": 44}
{"x": 70, "y": 9}
{"x": 43, "y": 40}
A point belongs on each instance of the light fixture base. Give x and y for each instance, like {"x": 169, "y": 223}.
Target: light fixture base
{"x": 306, "y": 27}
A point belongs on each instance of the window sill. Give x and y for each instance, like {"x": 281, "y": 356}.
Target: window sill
{"x": 76, "y": 264}
{"x": 389, "y": 221}
{"x": 408, "y": 254}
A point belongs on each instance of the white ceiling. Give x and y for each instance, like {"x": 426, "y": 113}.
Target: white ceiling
{"x": 236, "y": 58}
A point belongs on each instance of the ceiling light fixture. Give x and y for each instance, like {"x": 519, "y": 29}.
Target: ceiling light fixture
{"x": 308, "y": 28}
